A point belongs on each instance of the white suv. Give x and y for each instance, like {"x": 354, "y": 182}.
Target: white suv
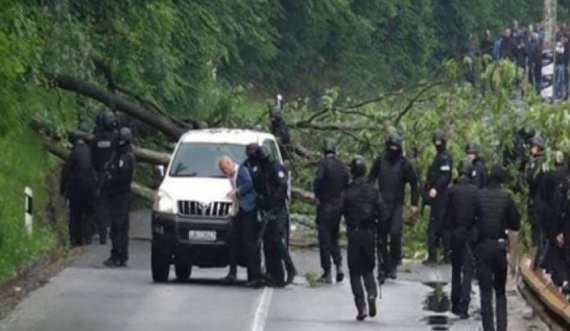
{"x": 192, "y": 213}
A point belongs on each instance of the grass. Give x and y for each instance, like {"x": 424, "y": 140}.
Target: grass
{"x": 24, "y": 163}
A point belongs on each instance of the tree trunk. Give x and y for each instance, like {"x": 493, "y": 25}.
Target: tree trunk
{"x": 550, "y": 24}
{"x": 92, "y": 91}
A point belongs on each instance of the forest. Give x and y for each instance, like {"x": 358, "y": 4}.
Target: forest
{"x": 352, "y": 69}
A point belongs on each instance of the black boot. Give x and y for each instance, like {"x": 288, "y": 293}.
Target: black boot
{"x": 339, "y": 274}
{"x": 326, "y": 278}
{"x": 371, "y": 307}
{"x": 112, "y": 262}
{"x": 291, "y": 273}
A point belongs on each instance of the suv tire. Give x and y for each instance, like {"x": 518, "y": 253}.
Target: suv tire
{"x": 160, "y": 265}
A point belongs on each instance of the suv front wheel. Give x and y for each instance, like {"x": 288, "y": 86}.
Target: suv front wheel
{"x": 160, "y": 265}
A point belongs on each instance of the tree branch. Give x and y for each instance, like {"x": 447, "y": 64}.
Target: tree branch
{"x": 90, "y": 90}
{"x": 412, "y": 101}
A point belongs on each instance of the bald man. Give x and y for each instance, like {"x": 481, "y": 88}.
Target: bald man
{"x": 244, "y": 229}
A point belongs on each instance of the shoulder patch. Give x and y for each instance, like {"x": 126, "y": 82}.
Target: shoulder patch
{"x": 281, "y": 174}
{"x": 445, "y": 167}
{"x": 474, "y": 173}
{"x": 104, "y": 144}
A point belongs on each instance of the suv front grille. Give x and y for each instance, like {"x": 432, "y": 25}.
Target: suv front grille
{"x": 211, "y": 209}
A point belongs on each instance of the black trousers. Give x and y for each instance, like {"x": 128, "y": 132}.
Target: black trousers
{"x": 275, "y": 248}
{"x": 80, "y": 213}
{"x": 361, "y": 258}
{"x": 390, "y": 243}
{"x": 492, "y": 275}
{"x": 104, "y": 214}
{"x": 243, "y": 236}
{"x": 119, "y": 211}
{"x": 328, "y": 225}
{"x": 437, "y": 231}
{"x": 461, "y": 276}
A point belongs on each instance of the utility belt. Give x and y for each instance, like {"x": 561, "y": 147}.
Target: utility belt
{"x": 503, "y": 243}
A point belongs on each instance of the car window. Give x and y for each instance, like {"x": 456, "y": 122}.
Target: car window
{"x": 272, "y": 146}
{"x": 201, "y": 159}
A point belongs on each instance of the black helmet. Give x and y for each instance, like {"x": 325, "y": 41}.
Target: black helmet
{"x": 201, "y": 125}
{"x": 263, "y": 153}
{"x": 498, "y": 173}
{"x": 394, "y": 140}
{"x": 251, "y": 150}
{"x": 125, "y": 136}
{"x": 527, "y": 132}
{"x": 472, "y": 148}
{"x": 537, "y": 141}
{"x": 439, "y": 135}
{"x": 358, "y": 166}
{"x": 108, "y": 120}
{"x": 465, "y": 168}
{"x": 329, "y": 146}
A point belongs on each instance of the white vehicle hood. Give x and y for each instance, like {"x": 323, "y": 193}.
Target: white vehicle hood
{"x": 197, "y": 188}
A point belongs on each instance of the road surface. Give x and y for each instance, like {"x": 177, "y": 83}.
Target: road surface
{"x": 88, "y": 297}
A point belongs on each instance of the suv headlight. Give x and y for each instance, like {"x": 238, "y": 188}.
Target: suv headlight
{"x": 163, "y": 203}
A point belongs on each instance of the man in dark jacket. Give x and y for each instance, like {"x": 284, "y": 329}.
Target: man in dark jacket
{"x": 119, "y": 177}
{"x": 244, "y": 224}
{"x": 330, "y": 182}
{"x": 392, "y": 171}
{"x": 552, "y": 194}
{"x": 78, "y": 184}
{"x": 478, "y": 174}
{"x": 534, "y": 173}
{"x": 103, "y": 148}
{"x": 363, "y": 212}
{"x": 495, "y": 212}
{"x": 461, "y": 216}
{"x": 435, "y": 194}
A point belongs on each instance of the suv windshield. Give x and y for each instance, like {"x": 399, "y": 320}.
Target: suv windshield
{"x": 201, "y": 159}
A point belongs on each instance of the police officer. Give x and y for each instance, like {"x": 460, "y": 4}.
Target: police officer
{"x": 536, "y": 167}
{"x": 516, "y": 155}
{"x": 393, "y": 171}
{"x": 103, "y": 146}
{"x": 273, "y": 206}
{"x": 479, "y": 171}
{"x": 280, "y": 129}
{"x": 461, "y": 216}
{"x": 78, "y": 184}
{"x": 364, "y": 212}
{"x": 118, "y": 177}
{"x": 552, "y": 194}
{"x": 435, "y": 194}
{"x": 329, "y": 184}
{"x": 495, "y": 212}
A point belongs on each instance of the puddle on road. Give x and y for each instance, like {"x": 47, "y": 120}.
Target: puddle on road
{"x": 437, "y": 302}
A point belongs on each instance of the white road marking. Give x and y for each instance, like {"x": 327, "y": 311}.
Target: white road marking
{"x": 262, "y": 310}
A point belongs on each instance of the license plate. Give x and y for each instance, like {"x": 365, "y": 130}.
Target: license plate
{"x": 202, "y": 235}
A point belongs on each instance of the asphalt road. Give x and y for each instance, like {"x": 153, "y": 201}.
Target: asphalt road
{"x": 88, "y": 297}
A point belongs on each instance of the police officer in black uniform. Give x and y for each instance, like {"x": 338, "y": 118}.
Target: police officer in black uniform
{"x": 363, "y": 212}
{"x": 461, "y": 216}
{"x": 280, "y": 129}
{"x": 273, "y": 197}
{"x": 552, "y": 194}
{"x": 330, "y": 182}
{"x": 103, "y": 148}
{"x": 78, "y": 184}
{"x": 479, "y": 171}
{"x": 495, "y": 212}
{"x": 119, "y": 176}
{"x": 536, "y": 167}
{"x": 435, "y": 194}
{"x": 393, "y": 171}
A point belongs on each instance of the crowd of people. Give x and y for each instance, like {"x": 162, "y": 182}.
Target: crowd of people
{"x": 96, "y": 180}
{"x": 469, "y": 220}
{"x": 525, "y": 47}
